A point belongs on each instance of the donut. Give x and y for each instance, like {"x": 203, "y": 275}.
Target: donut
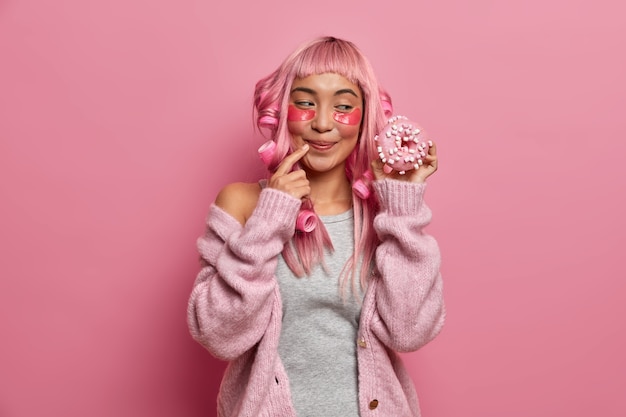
{"x": 401, "y": 145}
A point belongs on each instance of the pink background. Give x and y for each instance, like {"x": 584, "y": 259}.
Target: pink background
{"x": 118, "y": 125}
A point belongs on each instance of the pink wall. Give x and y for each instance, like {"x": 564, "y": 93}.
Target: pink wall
{"x": 118, "y": 121}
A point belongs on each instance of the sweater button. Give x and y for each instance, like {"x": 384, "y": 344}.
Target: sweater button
{"x": 361, "y": 342}
{"x": 373, "y": 404}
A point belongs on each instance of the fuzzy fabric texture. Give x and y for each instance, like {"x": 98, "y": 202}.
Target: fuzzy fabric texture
{"x": 235, "y": 308}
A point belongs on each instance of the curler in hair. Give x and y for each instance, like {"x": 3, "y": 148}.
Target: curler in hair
{"x": 266, "y": 152}
{"x": 306, "y": 221}
{"x": 269, "y": 122}
{"x": 361, "y": 187}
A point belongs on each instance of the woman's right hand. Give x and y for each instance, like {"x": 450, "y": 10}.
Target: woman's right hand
{"x": 294, "y": 183}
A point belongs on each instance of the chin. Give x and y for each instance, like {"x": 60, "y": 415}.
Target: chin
{"x": 321, "y": 167}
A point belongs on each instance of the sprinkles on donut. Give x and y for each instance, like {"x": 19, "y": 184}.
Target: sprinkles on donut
{"x": 401, "y": 145}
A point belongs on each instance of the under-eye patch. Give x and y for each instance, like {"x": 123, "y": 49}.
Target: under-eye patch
{"x": 353, "y": 118}
{"x": 295, "y": 114}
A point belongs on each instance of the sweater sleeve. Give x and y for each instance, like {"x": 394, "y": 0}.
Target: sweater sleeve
{"x": 234, "y": 293}
{"x": 409, "y": 308}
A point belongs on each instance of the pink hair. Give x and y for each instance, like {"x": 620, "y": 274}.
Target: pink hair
{"x": 271, "y": 98}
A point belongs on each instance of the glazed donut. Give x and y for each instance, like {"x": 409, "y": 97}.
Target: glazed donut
{"x": 401, "y": 145}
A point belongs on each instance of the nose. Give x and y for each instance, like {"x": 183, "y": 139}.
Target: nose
{"x": 323, "y": 121}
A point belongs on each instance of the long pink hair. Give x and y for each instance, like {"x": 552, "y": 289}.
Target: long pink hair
{"x": 271, "y": 98}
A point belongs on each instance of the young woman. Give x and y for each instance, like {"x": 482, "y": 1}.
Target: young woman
{"x": 311, "y": 320}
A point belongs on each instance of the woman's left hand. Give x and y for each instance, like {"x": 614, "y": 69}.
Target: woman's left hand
{"x": 425, "y": 170}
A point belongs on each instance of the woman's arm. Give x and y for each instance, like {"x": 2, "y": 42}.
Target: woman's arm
{"x": 407, "y": 285}
{"x": 234, "y": 294}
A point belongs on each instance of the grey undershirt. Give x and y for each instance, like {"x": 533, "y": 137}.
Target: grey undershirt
{"x": 319, "y": 330}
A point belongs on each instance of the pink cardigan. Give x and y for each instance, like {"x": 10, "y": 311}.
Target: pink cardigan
{"x": 235, "y": 309}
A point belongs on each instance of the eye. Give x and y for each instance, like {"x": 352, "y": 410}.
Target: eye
{"x": 304, "y": 103}
{"x": 344, "y": 107}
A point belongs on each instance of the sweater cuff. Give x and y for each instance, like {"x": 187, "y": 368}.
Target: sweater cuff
{"x": 399, "y": 197}
{"x": 278, "y": 207}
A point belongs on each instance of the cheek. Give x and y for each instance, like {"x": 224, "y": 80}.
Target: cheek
{"x": 296, "y": 127}
{"x": 295, "y": 114}
{"x": 352, "y": 119}
{"x": 349, "y": 131}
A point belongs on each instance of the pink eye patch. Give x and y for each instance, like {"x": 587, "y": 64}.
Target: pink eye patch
{"x": 295, "y": 114}
{"x": 353, "y": 118}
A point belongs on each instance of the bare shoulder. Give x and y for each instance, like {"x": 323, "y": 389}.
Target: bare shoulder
{"x": 239, "y": 199}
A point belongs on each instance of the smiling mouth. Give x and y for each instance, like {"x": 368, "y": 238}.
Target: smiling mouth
{"x": 320, "y": 146}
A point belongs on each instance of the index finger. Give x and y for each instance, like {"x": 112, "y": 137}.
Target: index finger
{"x": 292, "y": 158}
{"x": 432, "y": 148}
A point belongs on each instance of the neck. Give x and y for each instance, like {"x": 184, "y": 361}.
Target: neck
{"x": 331, "y": 192}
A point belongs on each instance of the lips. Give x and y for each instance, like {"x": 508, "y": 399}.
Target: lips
{"x": 320, "y": 145}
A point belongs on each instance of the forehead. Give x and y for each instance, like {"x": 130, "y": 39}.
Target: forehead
{"x": 328, "y": 83}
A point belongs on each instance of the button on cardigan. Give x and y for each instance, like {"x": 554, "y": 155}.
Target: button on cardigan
{"x": 235, "y": 309}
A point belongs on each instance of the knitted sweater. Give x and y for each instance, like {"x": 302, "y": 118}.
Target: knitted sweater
{"x": 235, "y": 309}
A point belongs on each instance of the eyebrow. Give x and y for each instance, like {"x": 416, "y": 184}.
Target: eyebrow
{"x": 337, "y": 93}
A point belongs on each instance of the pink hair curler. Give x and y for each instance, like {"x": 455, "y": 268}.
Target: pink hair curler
{"x": 387, "y": 108}
{"x": 401, "y": 145}
{"x": 269, "y": 122}
{"x": 307, "y": 219}
{"x": 266, "y": 152}
{"x": 361, "y": 186}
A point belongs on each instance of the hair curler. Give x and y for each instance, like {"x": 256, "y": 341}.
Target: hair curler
{"x": 361, "y": 187}
{"x": 266, "y": 152}
{"x": 307, "y": 219}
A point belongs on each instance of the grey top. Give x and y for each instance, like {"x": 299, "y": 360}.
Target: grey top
{"x": 319, "y": 330}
